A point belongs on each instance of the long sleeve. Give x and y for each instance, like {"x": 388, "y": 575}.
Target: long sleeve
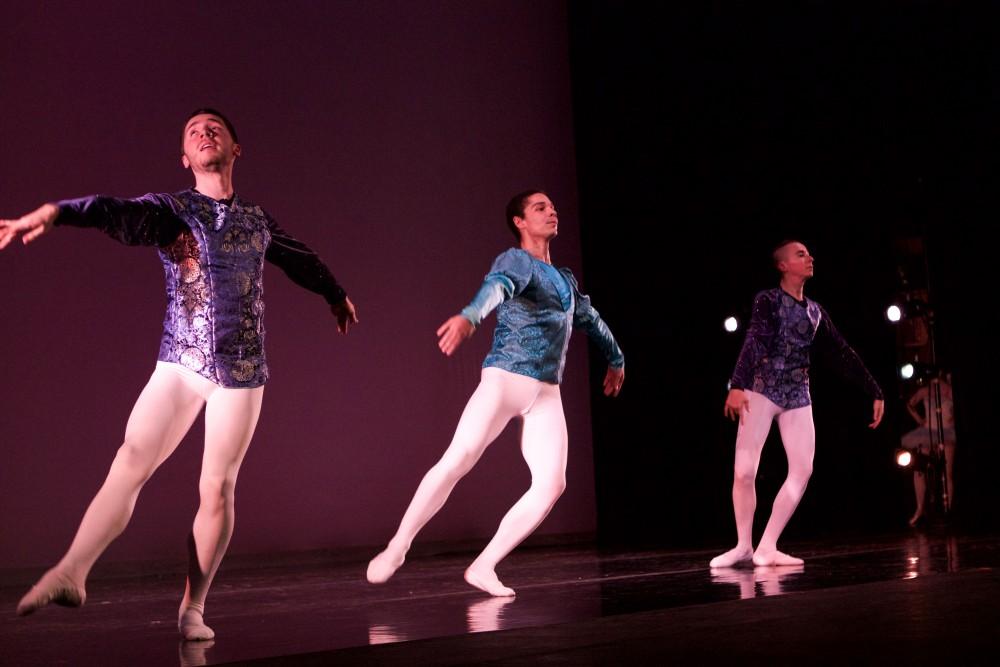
{"x": 494, "y": 291}
{"x": 302, "y": 265}
{"x": 843, "y": 357}
{"x": 586, "y": 317}
{"x": 149, "y": 220}
{"x": 758, "y": 340}
{"x": 508, "y": 277}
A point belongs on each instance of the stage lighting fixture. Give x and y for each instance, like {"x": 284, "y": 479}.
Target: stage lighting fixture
{"x": 731, "y": 324}
{"x": 916, "y": 370}
{"x": 908, "y": 309}
{"x": 912, "y": 459}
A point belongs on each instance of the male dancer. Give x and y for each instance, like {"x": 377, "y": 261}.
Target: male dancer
{"x": 213, "y": 244}
{"x": 771, "y": 381}
{"x": 538, "y": 306}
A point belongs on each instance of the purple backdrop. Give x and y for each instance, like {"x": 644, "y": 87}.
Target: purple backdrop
{"x": 388, "y": 136}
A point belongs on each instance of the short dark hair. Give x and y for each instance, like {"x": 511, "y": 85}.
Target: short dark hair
{"x": 781, "y": 244}
{"x": 213, "y": 112}
{"x": 515, "y": 209}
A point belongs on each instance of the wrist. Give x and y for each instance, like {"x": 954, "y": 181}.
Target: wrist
{"x": 49, "y": 212}
{"x": 469, "y": 315}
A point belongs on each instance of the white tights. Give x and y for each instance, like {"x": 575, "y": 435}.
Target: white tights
{"x": 500, "y": 397}
{"x": 162, "y": 415}
{"x": 799, "y": 438}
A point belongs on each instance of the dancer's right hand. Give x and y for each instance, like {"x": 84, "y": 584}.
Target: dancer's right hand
{"x": 31, "y": 226}
{"x": 737, "y": 405}
{"x": 453, "y": 332}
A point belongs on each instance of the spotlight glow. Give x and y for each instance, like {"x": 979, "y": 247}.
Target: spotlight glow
{"x": 731, "y": 324}
{"x": 906, "y": 371}
{"x": 904, "y": 459}
{"x": 893, "y": 313}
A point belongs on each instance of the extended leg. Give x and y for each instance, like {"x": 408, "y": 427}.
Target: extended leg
{"x": 161, "y": 416}
{"x": 489, "y": 409}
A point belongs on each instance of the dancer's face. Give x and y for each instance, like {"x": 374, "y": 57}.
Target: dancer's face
{"x": 796, "y": 262}
{"x": 540, "y": 218}
{"x": 208, "y": 145}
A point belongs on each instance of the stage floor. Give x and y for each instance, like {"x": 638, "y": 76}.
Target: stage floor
{"x": 918, "y": 597}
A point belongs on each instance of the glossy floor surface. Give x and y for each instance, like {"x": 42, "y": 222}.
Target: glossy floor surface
{"x": 915, "y": 595}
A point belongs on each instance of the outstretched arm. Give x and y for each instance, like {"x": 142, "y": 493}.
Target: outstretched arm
{"x": 508, "y": 277}
{"x": 306, "y": 269}
{"x": 29, "y": 226}
{"x": 146, "y": 220}
{"x": 496, "y": 289}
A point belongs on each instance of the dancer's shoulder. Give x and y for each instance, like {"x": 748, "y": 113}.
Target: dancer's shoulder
{"x": 513, "y": 255}
{"x": 513, "y": 258}
{"x": 771, "y": 295}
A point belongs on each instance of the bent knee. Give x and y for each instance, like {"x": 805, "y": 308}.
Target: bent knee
{"x": 455, "y": 464}
{"x": 550, "y": 489}
{"x": 136, "y": 459}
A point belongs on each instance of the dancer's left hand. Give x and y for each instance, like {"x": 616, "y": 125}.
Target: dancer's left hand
{"x": 877, "y": 411}
{"x": 345, "y": 313}
{"x": 613, "y": 381}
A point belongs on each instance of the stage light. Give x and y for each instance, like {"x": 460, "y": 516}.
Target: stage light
{"x": 731, "y": 324}
{"x": 916, "y": 370}
{"x": 908, "y": 309}
{"x": 912, "y": 459}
